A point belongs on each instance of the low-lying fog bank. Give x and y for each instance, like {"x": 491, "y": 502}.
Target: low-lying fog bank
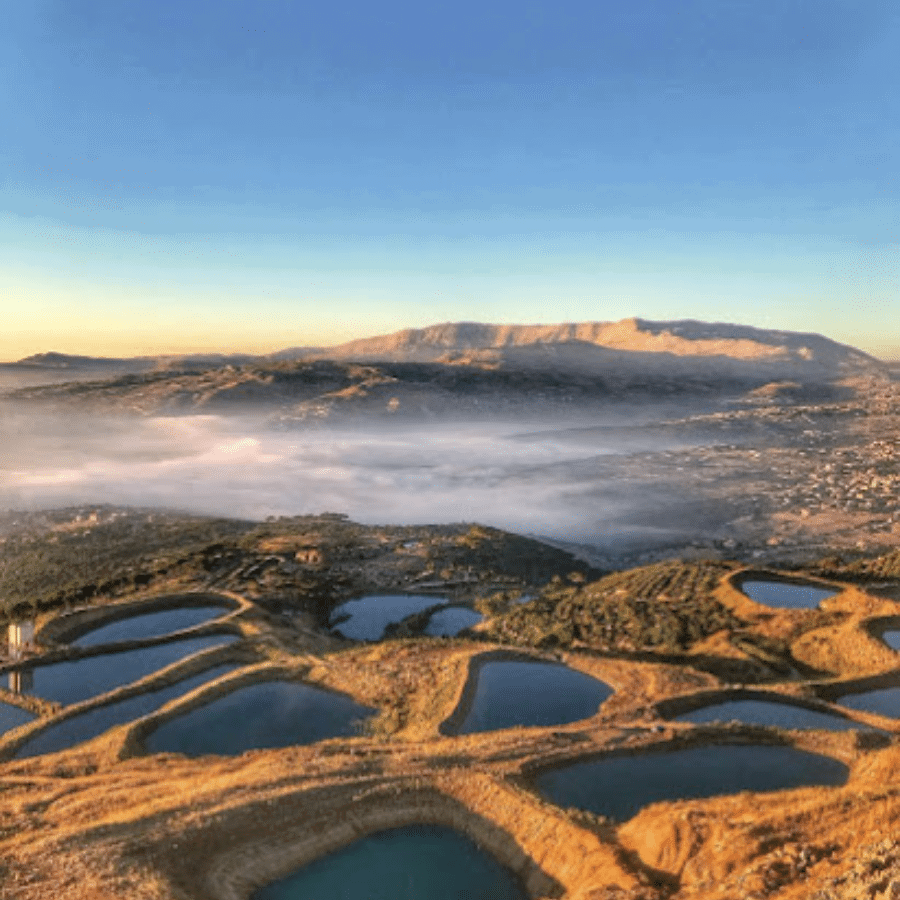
{"x": 620, "y": 480}
{"x": 522, "y": 476}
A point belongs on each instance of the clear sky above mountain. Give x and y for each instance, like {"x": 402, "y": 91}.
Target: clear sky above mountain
{"x": 238, "y": 175}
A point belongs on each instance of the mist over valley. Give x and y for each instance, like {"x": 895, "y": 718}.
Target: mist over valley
{"x": 625, "y": 441}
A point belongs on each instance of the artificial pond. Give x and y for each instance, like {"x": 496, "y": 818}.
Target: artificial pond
{"x": 141, "y": 626}
{"x": 256, "y": 716}
{"x": 882, "y": 702}
{"x": 509, "y": 693}
{"x": 89, "y": 724}
{"x": 12, "y": 717}
{"x": 785, "y": 594}
{"x": 75, "y": 680}
{"x": 367, "y": 618}
{"x": 619, "y": 786}
{"x": 417, "y": 862}
{"x": 773, "y": 713}
{"x": 451, "y": 621}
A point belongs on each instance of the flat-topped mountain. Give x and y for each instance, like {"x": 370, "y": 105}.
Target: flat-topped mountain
{"x": 462, "y": 369}
{"x": 630, "y": 343}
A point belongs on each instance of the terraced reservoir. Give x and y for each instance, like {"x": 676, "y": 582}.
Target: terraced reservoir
{"x": 785, "y": 594}
{"x": 367, "y": 618}
{"x": 451, "y": 621}
{"x": 508, "y": 693}
{"x": 76, "y": 680}
{"x": 88, "y": 725}
{"x": 269, "y": 714}
{"x": 883, "y": 702}
{"x": 12, "y": 717}
{"x": 148, "y": 625}
{"x": 619, "y": 786}
{"x": 425, "y": 862}
{"x": 771, "y": 712}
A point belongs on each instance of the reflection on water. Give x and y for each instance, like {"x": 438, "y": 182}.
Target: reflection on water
{"x": 88, "y": 725}
{"x": 511, "y": 693}
{"x": 784, "y": 595}
{"x": 419, "y": 862}
{"x": 369, "y": 616}
{"x": 148, "y": 625}
{"x": 270, "y": 714}
{"x": 72, "y": 682}
{"x": 619, "y": 786}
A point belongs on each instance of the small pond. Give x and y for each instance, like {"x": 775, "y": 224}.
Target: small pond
{"x": 419, "y": 862}
{"x": 892, "y": 639}
{"x": 768, "y": 712}
{"x": 370, "y": 616}
{"x": 76, "y": 680}
{"x": 618, "y": 786}
{"x": 451, "y": 621}
{"x": 884, "y": 702}
{"x": 12, "y": 717}
{"x": 785, "y": 595}
{"x": 148, "y": 625}
{"x": 510, "y": 693}
{"x": 269, "y": 714}
{"x": 88, "y": 725}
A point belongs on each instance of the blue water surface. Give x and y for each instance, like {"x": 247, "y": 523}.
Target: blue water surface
{"x": 419, "y": 862}
{"x": 618, "y": 786}
{"x": 76, "y": 680}
{"x": 269, "y": 714}
{"x": 510, "y": 693}
{"x": 88, "y": 725}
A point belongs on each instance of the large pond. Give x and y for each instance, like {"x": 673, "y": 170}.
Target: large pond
{"x": 269, "y": 714}
{"x": 419, "y": 862}
{"x": 618, "y": 786}
{"x": 884, "y": 702}
{"x": 510, "y": 693}
{"x": 451, "y": 621}
{"x": 88, "y": 725}
{"x": 785, "y": 595}
{"x": 148, "y": 625}
{"x": 12, "y": 717}
{"x": 768, "y": 712}
{"x": 370, "y": 616}
{"x": 74, "y": 681}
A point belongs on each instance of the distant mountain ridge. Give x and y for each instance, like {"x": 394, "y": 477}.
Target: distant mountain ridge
{"x": 470, "y": 368}
{"x": 633, "y": 344}
{"x": 630, "y": 344}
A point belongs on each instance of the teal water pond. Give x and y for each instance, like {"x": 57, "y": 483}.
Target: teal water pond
{"x": 76, "y": 680}
{"x": 269, "y": 714}
{"x": 12, "y": 717}
{"x": 451, "y": 621}
{"x": 510, "y": 693}
{"x": 768, "y": 712}
{"x": 884, "y": 702}
{"x": 418, "y": 862}
{"x": 785, "y": 595}
{"x": 619, "y": 786}
{"x": 369, "y": 616}
{"x": 148, "y": 625}
{"x": 88, "y": 725}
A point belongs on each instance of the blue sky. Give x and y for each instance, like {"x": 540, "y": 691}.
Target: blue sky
{"x": 254, "y": 175}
